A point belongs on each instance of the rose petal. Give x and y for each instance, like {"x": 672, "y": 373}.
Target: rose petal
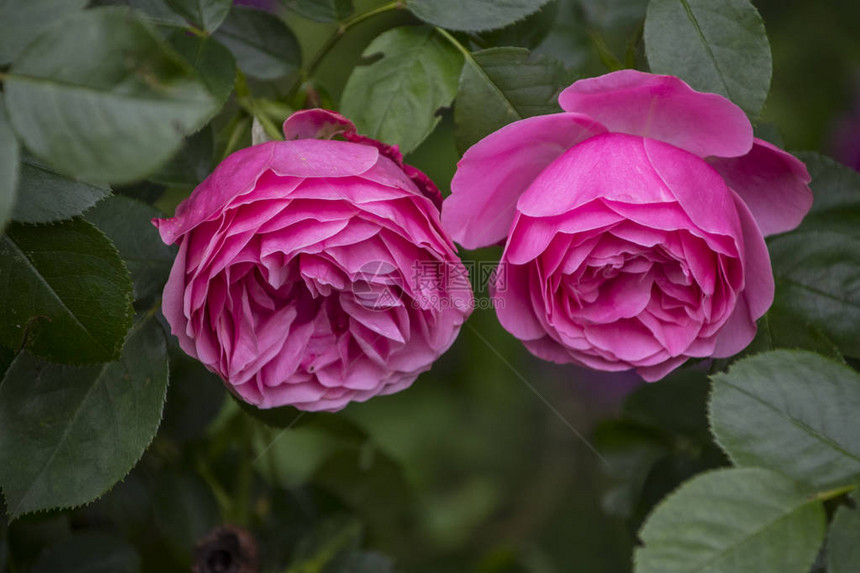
{"x": 308, "y": 394}
{"x": 699, "y": 189}
{"x": 624, "y": 297}
{"x": 316, "y": 124}
{"x": 663, "y": 108}
{"x": 758, "y": 275}
{"x": 172, "y": 302}
{"x": 235, "y": 176}
{"x": 598, "y": 361}
{"x": 529, "y": 237}
{"x": 675, "y": 338}
{"x": 773, "y": 184}
{"x": 738, "y": 331}
{"x": 546, "y": 348}
{"x": 612, "y": 168}
{"x": 318, "y": 158}
{"x": 379, "y": 321}
{"x": 656, "y": 372}
{"x": 308, "y": 234}
{"x": 495, "y": 171}
{"x": 239, "y": 173}
{"x": 607, "y": 167}
{"x": 627, "y": 339}
{"x": 513, "y": 308}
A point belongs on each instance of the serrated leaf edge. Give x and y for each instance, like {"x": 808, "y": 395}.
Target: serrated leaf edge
{"x": 71, "y": 507}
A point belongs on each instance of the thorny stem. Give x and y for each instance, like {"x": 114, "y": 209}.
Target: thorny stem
{"x": 312, "y": 66}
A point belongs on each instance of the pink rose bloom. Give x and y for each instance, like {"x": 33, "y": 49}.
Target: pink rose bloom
{"x": 635, "y": 223}
{"x": 295, "y": 279}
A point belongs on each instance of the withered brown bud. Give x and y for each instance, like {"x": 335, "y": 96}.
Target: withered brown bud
{"x": 226, "y": 549}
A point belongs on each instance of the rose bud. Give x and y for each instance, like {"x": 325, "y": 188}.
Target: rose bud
{"x": 226, "y": 549}
{"x": 297, "y": 274}
{"x": 634, "y": 223}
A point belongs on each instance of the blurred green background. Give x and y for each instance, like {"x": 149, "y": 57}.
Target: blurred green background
{"x": 493, "y": 462}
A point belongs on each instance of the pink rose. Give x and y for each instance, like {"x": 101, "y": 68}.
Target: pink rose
{"x": 295, "y": 279}
{"x": 634, "y": 223}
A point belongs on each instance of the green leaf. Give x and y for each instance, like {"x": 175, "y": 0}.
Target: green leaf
{"x": 395, "y": 99}
{"x": 473, "y": 15}
{"x": 716, "y": 46}
{"x": 662, "y": 439}
{"x": 678, "y": 404}
{"x": 145, "y": 191}
{"x": 837, "y": 195}
{"x": 669, "y": 473}
{"x": 630, "y": 451}
{"x": 261, "y": 133}
{"x": 502, "y": 85}
{"x": 791, "y": 411}
{"x": 817, "y": 266}
{"x": 784, "y": 327}
{"x": 843, "y": 551}
{"x": 89, "y": 552}
{"x": 194, "y": 399}
{"x": 332, "y": 547}
{"x": 127, "y": 223}
{"x": 263, "y": 45}
{"x": 527, "y": 33}
{"x": 68, "y": 433}
{"x": 6, "y": 358}
{"x": 330, "y": 538}
{"x": 213, "y": 62}
{"x": 9, "y": 155}
{"x": 155, "y": 11}
{"x": 321, "y": 10}
{"x": 65, "y": 290}
{"x": 733, "y": 520}
{"x": 817, "y": 275}
{"x": 372, "y": 484}
{"x": 267, "y": 118}
{"x": 614, "y": 14}
{"x": 45, "y": 196}
{"x": 288, "y": 458}
{"x": 205, "y": 15}
{"x": 128, "y": 505}
{"x": 192, "y": 164}
{"x": 23, "y": 20}
{"x": 114, "y": 118}
{"x": 571, "y": 40}
{"x": 185, "y": 511}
